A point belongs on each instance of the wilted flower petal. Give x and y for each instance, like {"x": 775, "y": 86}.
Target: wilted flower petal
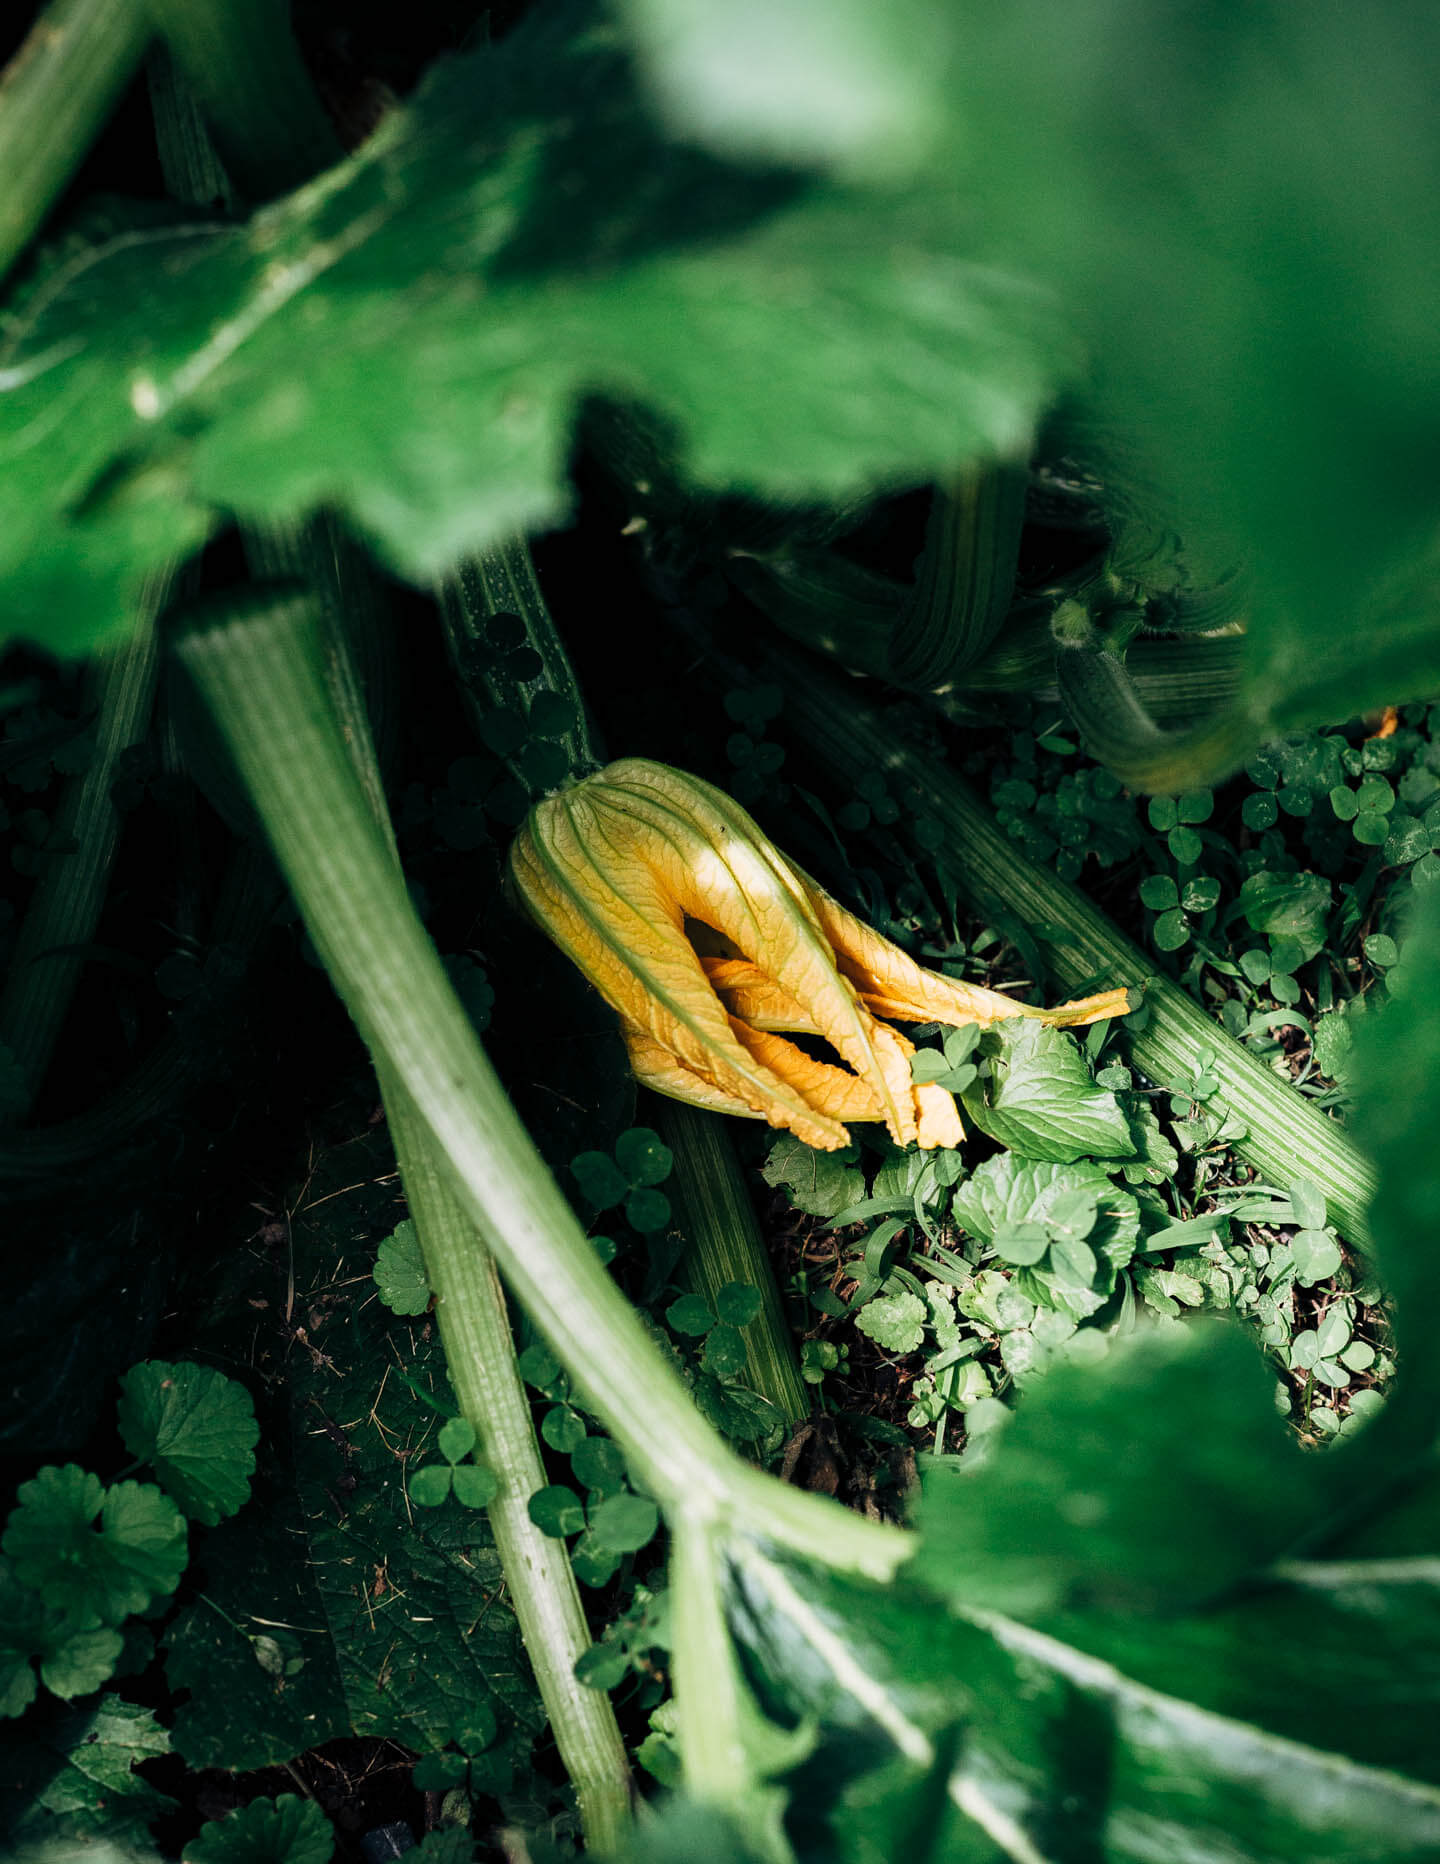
{"x": 715, "y": 949}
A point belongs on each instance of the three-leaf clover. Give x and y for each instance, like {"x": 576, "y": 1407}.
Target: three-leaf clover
{"x": 96, "y": 1575}
{"x": 474, "y": 1485}
{"x": 614, "y": 1523}
{"x": 197, "y": 1431}
{"x": 738, "y": 1304}
{"x": 642, "y": 1161}
{"x": 953, "y": 1070}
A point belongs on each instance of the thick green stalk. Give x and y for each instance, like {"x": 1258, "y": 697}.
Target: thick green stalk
{"x": 65, "y": 907}
{"x": 964, "y": 579}
{"x": 712, "y": 1202}
{"x": 825, "y": 602}
{"x": 240, "y": 59}
{"x": 188, "y": 160}
{"x": 502, "y": 581}
{"x": 707, "y": 1680}
{"x": 261, "y": 671}
{"x": 1179, "y": 681}
{"x": 470, "y": 1304}
{"x": 1284, "y": 1137}
{"x": 1111, "y": 716}
{"x": 55, "y": 95}
{"x": 480, "y": 1356}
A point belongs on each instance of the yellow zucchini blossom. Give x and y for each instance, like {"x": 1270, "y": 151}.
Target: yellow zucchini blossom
{"x": 714, "y": 948}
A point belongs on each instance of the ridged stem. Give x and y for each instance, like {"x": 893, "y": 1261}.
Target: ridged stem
{"x": 712, "y": 1203}
{"x": 471, "y": 1311}
{"x": 1285, "y": 1138}
{"x": 65, "y": 907}
{"x": 480, "y": 1357}
{"x": 55, "y": 96}
{"x": 964, "y": 579}
{"x": 1111, "y": 716}
{"x": 240, "y": 59}
{"x": 502, "y": 581}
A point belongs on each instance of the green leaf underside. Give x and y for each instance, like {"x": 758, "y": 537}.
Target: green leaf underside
{"x": 197, "y": 1431}
{"x": 261, "y": 369}
{"x": 1061, "y": 1754}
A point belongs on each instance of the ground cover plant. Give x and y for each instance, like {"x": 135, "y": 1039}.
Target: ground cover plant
{"x": 719, "y": 1041}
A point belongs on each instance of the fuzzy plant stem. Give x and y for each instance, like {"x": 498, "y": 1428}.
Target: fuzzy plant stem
{"x": 65, "y": 907}
{"x": 1285, "y": 1138}
{"x": 55, "y": 95}
{"x": 725, "y": 1245}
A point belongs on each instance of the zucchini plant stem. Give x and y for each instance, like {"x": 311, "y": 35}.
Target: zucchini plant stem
{"x": 725, "y": 1245}
{"x": 474, "y": 1322}
{"x": 1284, "y": 1136}
{"x": 65, "y": 907}
{"x": 472, "y": 1315}
{"x": 55, "y": 95}
{"x": 259, "y": 666}
{"x": 480, "y": 1354}
{"x": 241, "y": 61}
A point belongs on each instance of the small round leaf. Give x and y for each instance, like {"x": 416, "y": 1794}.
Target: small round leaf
{"x": 624, "y": 1523}
{"x": 738, "y": 1303}
{"x": 643, "y": 1156}
{"x": 475, "y": 1484}
{"x": 557, "y": 1511}
{"x": 430, "y": 1486}
{"x": 647, "y": 1210}
{"x": 456, "y": 1439}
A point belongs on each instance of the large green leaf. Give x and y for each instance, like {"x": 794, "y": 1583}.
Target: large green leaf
{"x": 1153, "y": 1480}
{"x": 1060, "y": 1756}
{"x": 1242, "y": 207}
{"x": 330, "y": 1605}
{"x": 73, "y": 1777}
{"x": 410, "y": 337}
{"x": 850, "y": 82}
